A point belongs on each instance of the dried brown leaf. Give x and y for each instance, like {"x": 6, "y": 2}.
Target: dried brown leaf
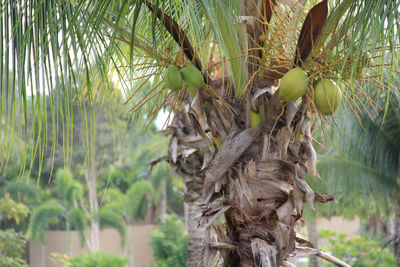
{"x": 310, "y": 31}
{"x": 233, "y": 147}
{"x": 263, "y": 253}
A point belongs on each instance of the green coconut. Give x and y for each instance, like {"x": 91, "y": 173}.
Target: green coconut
{"x": 172, "y": 78}
{"x": 193, "y": 77}
{"x": 255, "y": 118}
{"x": 217, "y": 142}
{"x": 327, "y": 96}
{"x": 293, "y": 85}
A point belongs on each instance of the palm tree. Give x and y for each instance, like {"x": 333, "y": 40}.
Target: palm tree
{"x": 65, "y": 209}
{"x": 251, "y": 172}
{"x": 121, "y": 209}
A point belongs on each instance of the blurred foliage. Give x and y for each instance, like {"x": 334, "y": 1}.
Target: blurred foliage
{"x": 12, "y": 243}
{"x": 62, "y": 210}
{"x": 42, "y": 216}
{"x": 356, "y": 251}
{"x": 361, "y": 166}
{"x": 96, "y": 259}
{"x": 12, "y": 210}
{"x": 126, "y": 191}
{"x": 170, "y": 243}
{"x": 25, "y": 192}
{"x": 12, "y": 247}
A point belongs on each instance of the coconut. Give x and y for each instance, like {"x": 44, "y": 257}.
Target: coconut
{"x": 172, "y": 78}
{"x": 293, "y": 85}
{"x": 255, "y": 118}
{"x": 327, "y": 96}
{"x": 193, "y": 77}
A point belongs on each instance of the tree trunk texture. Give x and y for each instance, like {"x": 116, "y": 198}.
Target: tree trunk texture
{"x": 396, "y": 242}
{"x": 185, "y": 156}
{"x": 313, "y": 238}
{"x": 196, "y": 236}
{"x": 255, "y": 179}
{"x": 90, "y": 177}
{"x": 130, "y": 247}
{"x": 93, "y": 240}
{"x": 164, "y": 205}
{"x": 250, "y": 178}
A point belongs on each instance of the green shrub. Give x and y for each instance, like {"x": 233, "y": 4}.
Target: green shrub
{"x": 12, "y": 246}
{"x": 170, "y": 243}
{"x": 96, "y": 259}
{"x": 357, "y": 251}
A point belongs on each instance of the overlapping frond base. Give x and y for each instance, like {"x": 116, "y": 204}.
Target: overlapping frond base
{"x": 252, "y": 187}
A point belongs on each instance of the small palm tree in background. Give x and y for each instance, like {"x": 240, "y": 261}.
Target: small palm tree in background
{"x": 67, "y": 211}
{"x": 242, "y": 145}
{"x": 119, "y": 210}
{"x": 64, "y": 209}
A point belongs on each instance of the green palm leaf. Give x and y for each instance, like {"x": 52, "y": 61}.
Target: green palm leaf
{"x": 40, "y": 219}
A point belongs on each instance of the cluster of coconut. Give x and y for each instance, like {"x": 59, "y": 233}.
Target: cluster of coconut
{"x": 327, "y": 94}
{"x": 173, "y": 78}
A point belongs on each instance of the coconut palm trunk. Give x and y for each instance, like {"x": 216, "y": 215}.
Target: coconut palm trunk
{"x": 185, "y": 151}
{"x": 254, "y": 180}
{"x": 259, "y": 172}
{"x": 196, "y": 236}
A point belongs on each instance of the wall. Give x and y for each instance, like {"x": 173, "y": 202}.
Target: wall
{"x": 338, "y": 224}
{"x": 56, "y": 242}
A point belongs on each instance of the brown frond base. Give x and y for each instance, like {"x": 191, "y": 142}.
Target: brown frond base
{"x": 252, "y": 187}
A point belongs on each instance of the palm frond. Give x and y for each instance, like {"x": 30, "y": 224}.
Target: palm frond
{"x": 139, "y": 195}
{"x": 40, "y": 219}
{"x": 79, "y": 222}
{"x": 46, "y": 44}
{"x": 363, "y": 161}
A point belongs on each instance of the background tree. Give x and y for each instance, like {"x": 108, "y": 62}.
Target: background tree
{"x": 63, "y": 211}
{"x": 170, "y": 242}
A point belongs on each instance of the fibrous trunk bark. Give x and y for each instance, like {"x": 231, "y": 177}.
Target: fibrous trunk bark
{"x": 255, "y": 180}
{"x": 185, "y": 156}
{"x": 196, "y": 236}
